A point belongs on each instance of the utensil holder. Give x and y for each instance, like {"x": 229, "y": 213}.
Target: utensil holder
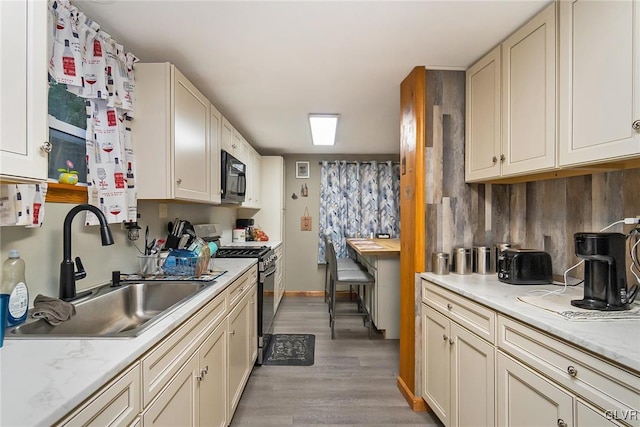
{"x": 462, "y": 262}
{"x": 148, "y": 265}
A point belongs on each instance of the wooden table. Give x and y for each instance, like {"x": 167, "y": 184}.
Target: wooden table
{"x": 375, "y": 246}
{"x": 381, "y": 257}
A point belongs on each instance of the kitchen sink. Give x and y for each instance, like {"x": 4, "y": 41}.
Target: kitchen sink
{"x": 114, "y": 312}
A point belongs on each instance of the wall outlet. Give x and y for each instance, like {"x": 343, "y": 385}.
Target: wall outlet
{"x": 162, "y": 211}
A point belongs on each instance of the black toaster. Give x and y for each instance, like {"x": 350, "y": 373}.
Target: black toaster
{"x": 524, "y": 267}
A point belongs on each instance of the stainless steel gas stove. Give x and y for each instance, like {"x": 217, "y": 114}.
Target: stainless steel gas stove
{"x": 266, "y": 281}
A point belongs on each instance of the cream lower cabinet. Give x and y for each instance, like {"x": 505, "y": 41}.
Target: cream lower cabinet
{"x": 117, "y": 404}
{"x": 385, "y": 310}
{"x": 177, "y": 404}
{"x": 458, "y": 372}
{"x": 475, "y": 359}
{"x": 193, "y": 377}
{"x": 525, "y": 398}
{"x": 279, "y": 282}
{"x": 212, "y": 399}
{"x": 239, "y": 350}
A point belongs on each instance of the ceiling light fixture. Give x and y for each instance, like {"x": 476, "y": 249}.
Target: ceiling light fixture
{"x": 323, "y": 128}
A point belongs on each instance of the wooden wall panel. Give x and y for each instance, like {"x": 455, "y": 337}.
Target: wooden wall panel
{"x": 412, "y": 217}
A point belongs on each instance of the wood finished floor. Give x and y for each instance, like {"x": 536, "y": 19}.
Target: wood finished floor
{"x": 352, "y": 381}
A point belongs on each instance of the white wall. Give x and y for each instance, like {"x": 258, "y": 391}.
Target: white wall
{"x": 42, "y": 248}
{"x": 301, "y": 259}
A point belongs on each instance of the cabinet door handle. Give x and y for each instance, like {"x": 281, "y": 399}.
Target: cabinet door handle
{"x": 232, "y": 332}
{"x": 449, "y": 306}
{"x": 636, "y": 125}
{"x": 451, "y": 341}
{"x": 502, "y": 157}
{"x": 494, "y": 159}
{"x": 561, "y": 423}
{"x": 46, "y": 147}
{"x": 179, "y": 181}
{"x": 206, "y": 369}
{"x": 200, "y": 377}
{"x": 572, "y": 371}
{"x": 444, "y": 337}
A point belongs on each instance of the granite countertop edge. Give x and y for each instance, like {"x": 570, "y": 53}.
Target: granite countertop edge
{"x": 607, "y": 339}
{"x": 43, "y": 380}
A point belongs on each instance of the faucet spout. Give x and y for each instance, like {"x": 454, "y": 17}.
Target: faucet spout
{"x": 68, "y": 273}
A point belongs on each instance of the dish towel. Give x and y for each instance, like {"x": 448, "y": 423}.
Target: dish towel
{"x": 53, "y": 310}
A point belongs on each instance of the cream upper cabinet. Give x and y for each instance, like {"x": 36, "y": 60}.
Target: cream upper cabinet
{"x": 270, "y": 217}
{"x": 254, "y": 166}
{"x": 525, "y": 398}
{"x": 215, "y": 141}
{"x": 529, "y": 96}
{"x": 171, "y": 133}
{"x": 23, "y": 90}
{"x": 226, "y": 136}
{"x": 238, "y": 147}
{"x": 257, "y": 184}
{"x": 482, "y": 128}
{"x": 599, "y": 81}
{"x": 511, "y": 104}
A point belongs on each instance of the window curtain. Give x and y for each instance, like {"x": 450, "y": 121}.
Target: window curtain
{"x": 95, "y": 67}
{"x": 358, "y": 199}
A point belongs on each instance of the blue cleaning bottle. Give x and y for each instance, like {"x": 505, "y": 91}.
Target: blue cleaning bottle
{"x": 14, "y": 289}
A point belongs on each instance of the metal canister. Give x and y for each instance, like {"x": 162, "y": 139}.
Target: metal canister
{"x": 440, "y": 263}
{"x": 483, "y": 260}
{"x": 498, "y": 248}
{"x": 462, "y": 261}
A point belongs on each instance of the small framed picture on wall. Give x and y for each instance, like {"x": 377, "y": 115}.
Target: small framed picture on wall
{"x": 302, "y": 169}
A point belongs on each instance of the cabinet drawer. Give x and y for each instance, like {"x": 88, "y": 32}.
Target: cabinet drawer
{"x": 607, "y": 386}
{"x": 163, "y": 362}
{"x": 241, "y": 286}
{"x": 475, "y": 317}
{"x": 118, "y": 403}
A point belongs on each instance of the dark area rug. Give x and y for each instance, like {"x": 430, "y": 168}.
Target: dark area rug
{"x": 290, "y": 350}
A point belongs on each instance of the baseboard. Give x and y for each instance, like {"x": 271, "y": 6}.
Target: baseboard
{"x": 417, "y": 404}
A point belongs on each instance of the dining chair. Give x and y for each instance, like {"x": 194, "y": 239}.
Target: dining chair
{"x": 360, "y": 278}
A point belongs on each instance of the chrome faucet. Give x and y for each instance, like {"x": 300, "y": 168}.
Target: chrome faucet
{"x": 68, "y": 275}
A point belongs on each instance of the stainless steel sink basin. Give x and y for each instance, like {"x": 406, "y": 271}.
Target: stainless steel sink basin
{"x": 119, "y": 312}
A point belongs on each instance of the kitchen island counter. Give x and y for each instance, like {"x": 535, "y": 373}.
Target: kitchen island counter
{"x": 43, "y": 380}
{"x": 615, "y": 340}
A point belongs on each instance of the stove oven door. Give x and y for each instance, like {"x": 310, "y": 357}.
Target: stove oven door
{"x": 266, "y": 288}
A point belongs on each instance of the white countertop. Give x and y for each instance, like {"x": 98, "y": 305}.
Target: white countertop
{"x": 42, "y": 380}
{"x": 616, "y": 340}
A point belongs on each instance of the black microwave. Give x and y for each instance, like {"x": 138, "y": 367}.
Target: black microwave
{"x": 234, "y": 179}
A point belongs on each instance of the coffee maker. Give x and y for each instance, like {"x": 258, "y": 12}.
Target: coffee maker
{"x": 605, "y": 279}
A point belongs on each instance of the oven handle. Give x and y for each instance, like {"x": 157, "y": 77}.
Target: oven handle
{"x": 269, "y": 272}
